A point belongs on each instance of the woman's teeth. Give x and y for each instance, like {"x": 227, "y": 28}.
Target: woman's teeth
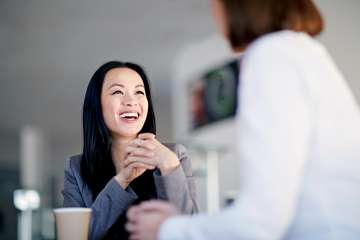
{"x": 130, "y": 115}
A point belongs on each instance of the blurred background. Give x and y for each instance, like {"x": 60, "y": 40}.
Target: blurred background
{"x": 49, "y": 50}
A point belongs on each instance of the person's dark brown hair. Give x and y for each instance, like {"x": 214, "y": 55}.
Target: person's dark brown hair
{"x": 250, "y": 19}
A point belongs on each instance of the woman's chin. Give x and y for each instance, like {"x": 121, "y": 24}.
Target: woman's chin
{"x": 128, "y": 133}
{"x": 128, "y": 130}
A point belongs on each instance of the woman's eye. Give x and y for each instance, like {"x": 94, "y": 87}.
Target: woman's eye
{"x": 140, "y": 92}
{"x": 117, "y": 92}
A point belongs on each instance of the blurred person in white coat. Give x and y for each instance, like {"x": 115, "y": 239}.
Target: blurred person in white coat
{"x": 298, "y": 130}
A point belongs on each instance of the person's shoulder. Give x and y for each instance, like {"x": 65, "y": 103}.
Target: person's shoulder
{"x": 275, "y": 38}
{"x": 280, "y": 44}
{"x": 270, "y": 44}
{"x": 73, "y": 163}
{"x": 183, "y": 156}
{"x": 273, "y": 49}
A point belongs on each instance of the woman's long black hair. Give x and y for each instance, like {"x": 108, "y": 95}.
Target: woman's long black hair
{"x": 97, "y": 167}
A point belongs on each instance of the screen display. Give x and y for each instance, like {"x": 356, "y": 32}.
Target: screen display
{"x": 213, "y": 97}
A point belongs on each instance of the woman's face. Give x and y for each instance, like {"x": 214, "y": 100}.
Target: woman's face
{"x": 219, "y": 16}
{"x": 124, "y": 103}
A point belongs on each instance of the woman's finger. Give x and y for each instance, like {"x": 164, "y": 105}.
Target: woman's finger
{"x": 146, "y": 136}
{"x": 132, "y": 213}
{"x": 148, "y": 144}
{"x": 134, "y": 236}
{"x": 139, "y": 151}
{"x": 157, "y": 205}
{"x": 131, "y": 227}
{"x": 140, "y": 165}
{"x": 144, "y": 160}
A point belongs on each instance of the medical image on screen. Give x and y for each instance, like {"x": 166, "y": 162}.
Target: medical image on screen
{"x": 213, "y": 97}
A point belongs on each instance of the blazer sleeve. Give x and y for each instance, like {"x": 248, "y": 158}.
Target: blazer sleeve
{"x": 178, "y": 187}
{"x": 110, "y": 203}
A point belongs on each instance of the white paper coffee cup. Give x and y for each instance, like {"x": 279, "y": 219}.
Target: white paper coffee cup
{"x": 72, "y": 223}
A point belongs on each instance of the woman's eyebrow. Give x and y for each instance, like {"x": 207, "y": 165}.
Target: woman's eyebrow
{"x": 116, "y": 85}
{"x": 122, "y": 86}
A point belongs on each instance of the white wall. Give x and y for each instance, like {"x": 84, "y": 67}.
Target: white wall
{"x": 342, "y": 37}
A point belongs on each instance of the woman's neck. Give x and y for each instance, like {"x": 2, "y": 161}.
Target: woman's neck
{"x": 118, "y": 151}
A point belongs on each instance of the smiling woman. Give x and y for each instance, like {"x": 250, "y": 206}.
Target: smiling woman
{"x": 123, "y": 163}
{"x": 124, "y": 102}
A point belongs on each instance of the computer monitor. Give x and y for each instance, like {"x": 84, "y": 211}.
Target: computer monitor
{"x": 213, "y": 96}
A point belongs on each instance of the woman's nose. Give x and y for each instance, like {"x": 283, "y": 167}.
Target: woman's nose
{"x": 129, "y": 101}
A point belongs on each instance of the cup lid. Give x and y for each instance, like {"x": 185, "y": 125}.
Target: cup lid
{"x": 71, "y": 209}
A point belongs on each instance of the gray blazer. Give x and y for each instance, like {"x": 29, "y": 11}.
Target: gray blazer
{"x": 177, "y": 187}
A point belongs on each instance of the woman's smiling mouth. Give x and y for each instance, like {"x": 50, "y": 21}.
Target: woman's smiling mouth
{"x": 129, "y": 116}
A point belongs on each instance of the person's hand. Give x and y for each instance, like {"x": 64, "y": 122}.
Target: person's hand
{"x": 145, "y": 219}
{"x": 131, "y": 171}
{"x": 148, "y": 150}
